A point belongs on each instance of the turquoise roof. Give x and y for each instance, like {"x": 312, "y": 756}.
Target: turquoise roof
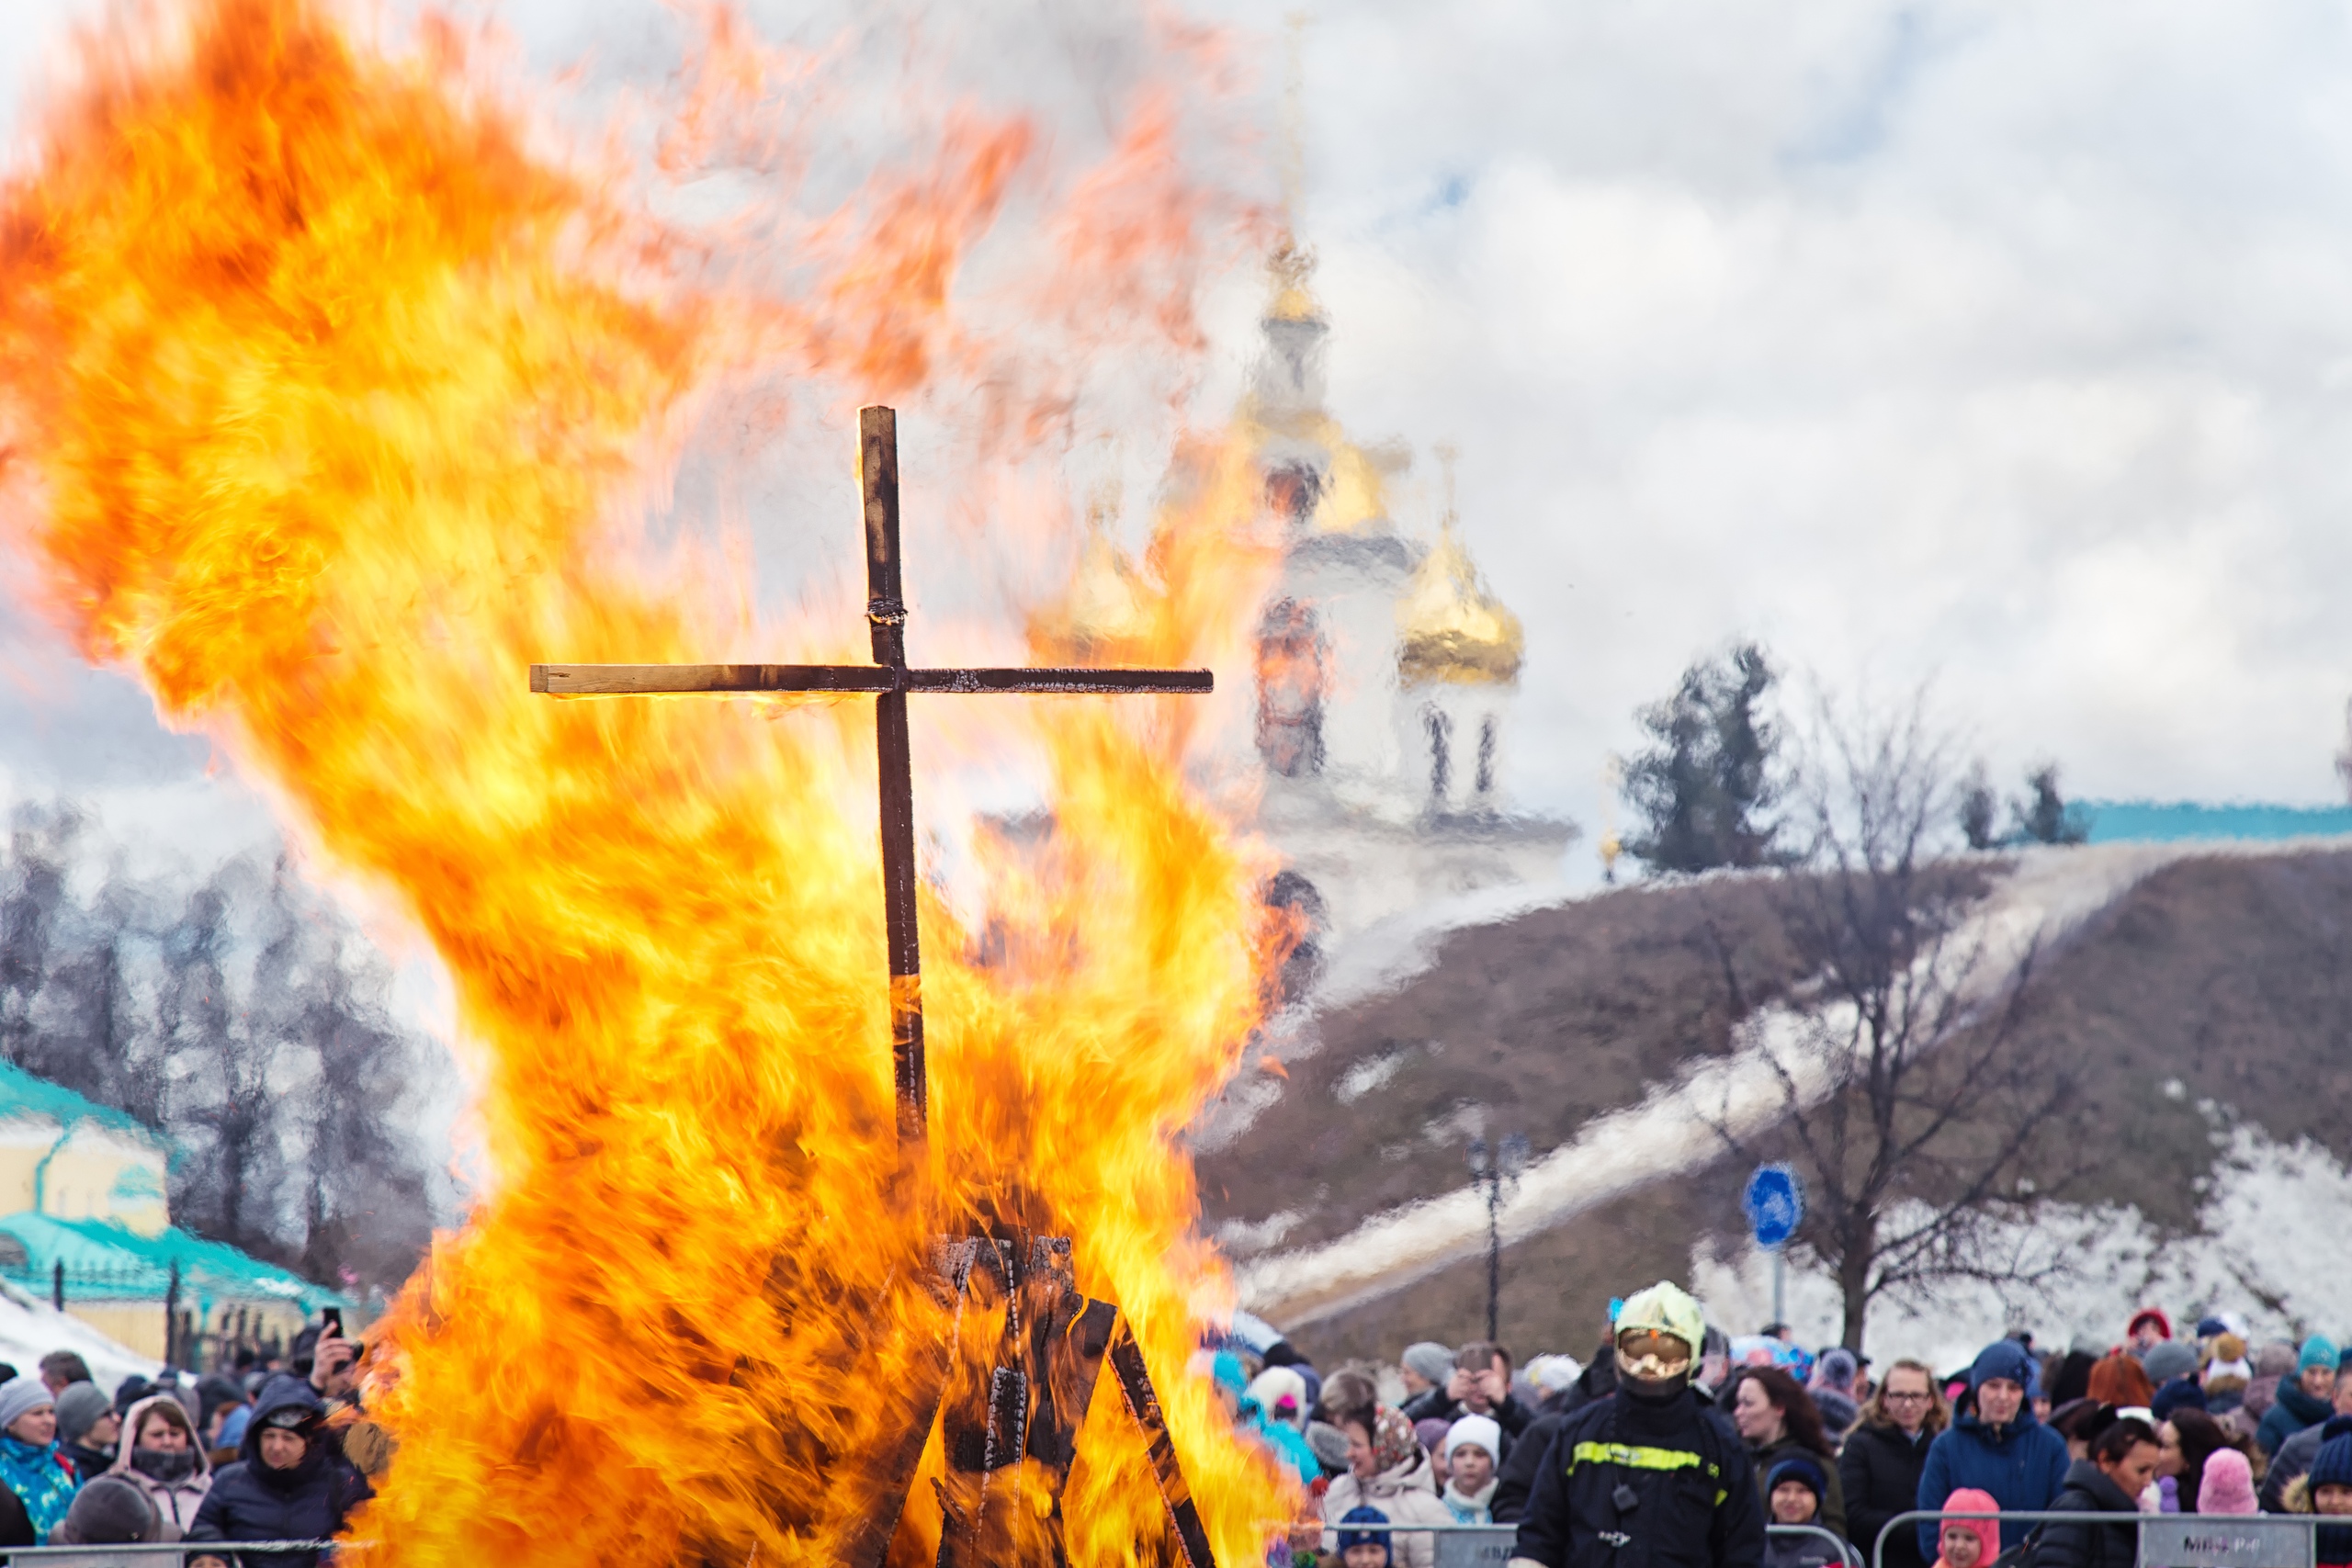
{"x": 2149, "y": 821}
{"x": 105, "y": 1262}
{"x": 21, "y": 1094}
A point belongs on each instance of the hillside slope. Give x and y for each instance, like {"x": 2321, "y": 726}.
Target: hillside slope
{"x": 2199, "y": 992}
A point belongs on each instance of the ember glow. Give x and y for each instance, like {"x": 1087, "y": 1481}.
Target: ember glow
{"x": 328, "y": 401}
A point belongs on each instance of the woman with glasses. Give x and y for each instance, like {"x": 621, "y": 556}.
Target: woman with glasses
{"x": 1884, "y": 1454}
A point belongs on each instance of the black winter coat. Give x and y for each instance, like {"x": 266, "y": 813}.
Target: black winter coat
{"x": 1634, "y": 1483}
{"x": 2065, "y": 1544}
{"x": 249, "y": 1501}
{"x": 15, "y": 1525}
{"x": 1879, "y": 1471}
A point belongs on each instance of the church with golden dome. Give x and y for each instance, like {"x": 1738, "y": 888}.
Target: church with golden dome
{"x": 1387, "y": 669}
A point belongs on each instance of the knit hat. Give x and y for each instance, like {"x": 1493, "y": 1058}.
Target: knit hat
{"x": 1798, "y": 1468}
{"x": 1667, "y": 1308}
{"x": 1363, "y": 1526}
{"x": 2154, "y": 1315}
{"x": 2210, "y": 1326}
{"x": 108, "y": 1511}
{"x": 19, "y": 1397}
{"x": 2181, "y": 1393}
{"x": 2318, "y": 1350}
{"x": 1553, "y": 1373}
{"x": 2001, "y": 1359}
{"x": 1430, "y": 1360}
{"x": 2332, "y": 1466}
{"x": 1331, "y": 1444}
{"x": 1281, "y": 1394}
{"x": 1969, "y": 1500}
{"x": 1479, "y": 1431}
{"x": 1836, "y": 1370}
{"x": 1431, "y": 1430}
{"x": 2274, "y": 1360}
{"x": 2228, "y": 1356}
{"x": 2228, "y": 1486}
{"x": 78, "y": 1409}
{"x": 2167, "y": 1360}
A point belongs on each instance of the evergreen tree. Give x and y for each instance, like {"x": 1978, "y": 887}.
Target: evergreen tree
{"x": 2046, "y": 818}
{"x": 1704, "y": 790}
{"x": 1980, "y": 810}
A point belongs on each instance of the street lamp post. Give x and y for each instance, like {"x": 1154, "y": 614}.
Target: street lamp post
{"x": 1494, "y": 1167}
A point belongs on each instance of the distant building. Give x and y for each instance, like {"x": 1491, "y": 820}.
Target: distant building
{"x": 84, "y": 1218}
{"x": 1387, "y": 672}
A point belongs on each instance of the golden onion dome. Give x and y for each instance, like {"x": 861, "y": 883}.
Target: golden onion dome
{"x": 1451, "y": 628}
{"x": 1292, "y": 268}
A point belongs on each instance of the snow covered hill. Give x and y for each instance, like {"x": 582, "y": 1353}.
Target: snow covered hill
{"x": 2234, "y": 1167}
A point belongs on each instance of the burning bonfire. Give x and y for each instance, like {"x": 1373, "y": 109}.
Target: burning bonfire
{"x": 330, "y": 400}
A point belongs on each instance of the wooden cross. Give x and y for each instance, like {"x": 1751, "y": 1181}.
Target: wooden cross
{"x": 1028, "y": 1404}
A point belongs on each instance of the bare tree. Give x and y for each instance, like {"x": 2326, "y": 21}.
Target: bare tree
{"x": 251, "y": 1026}
{"x": 1915, "y": 1118}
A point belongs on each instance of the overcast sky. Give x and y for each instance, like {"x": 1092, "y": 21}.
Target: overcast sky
{"x": 2009, "y": 345}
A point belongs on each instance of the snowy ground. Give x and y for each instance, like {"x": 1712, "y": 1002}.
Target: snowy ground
{"x": 2271, "y": 1248}
{"x": 30, "y": 1328}
{"x": 2048, "y": 895}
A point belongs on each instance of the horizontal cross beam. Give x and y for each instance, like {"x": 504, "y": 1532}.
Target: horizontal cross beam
{"x": 639, "y": 679}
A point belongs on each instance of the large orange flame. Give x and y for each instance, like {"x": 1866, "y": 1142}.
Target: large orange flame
{"x": 323, "y": 396}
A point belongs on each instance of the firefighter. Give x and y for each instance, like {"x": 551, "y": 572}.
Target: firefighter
{"x": 1653, "y": 1476}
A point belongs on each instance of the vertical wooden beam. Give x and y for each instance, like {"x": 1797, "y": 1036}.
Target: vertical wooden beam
{"x": 886, "y": 617}
{"x": 1143, "y": 1402}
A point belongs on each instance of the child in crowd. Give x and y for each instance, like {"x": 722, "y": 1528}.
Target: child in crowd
{"x": 1792, "y": 1494}
{"x": 1363, "y": 1537}
{"x": 1970, "y": 1543}
{"x": 1471, "y": 1444}
{"x": 2327, "y": 1488}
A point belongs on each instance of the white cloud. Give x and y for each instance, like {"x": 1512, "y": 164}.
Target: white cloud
{"x": 2010, "y": 344}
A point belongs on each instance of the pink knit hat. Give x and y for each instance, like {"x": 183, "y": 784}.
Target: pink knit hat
{"x": 1969, "y": 1500}
{"x": 2228, "y": 1486}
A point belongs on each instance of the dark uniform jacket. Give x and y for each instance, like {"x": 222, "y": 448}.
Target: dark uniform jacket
{"x": 1637, "y": 1482}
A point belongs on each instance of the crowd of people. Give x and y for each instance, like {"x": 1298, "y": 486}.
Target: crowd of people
{"x": 1676, "y": 1445}
{"x": 260, "y": 1452}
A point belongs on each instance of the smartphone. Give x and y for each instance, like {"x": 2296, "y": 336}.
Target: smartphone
{"x": 332, "y": 1317}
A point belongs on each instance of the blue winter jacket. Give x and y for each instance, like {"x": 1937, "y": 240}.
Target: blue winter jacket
{"x": 2022, "y": 1464}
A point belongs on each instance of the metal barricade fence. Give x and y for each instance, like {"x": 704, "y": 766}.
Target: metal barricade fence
{"x": 165, "y": 1553}
{"x": 2166, "y": 1541}
{"x": 1490, "y": 1546}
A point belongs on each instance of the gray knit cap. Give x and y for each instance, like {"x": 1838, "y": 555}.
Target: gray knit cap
{"x": 1432, "y": 1359}
{"x": 78, "y": 1409}
{"x": 19, "y": 1397}
{"x": 2169, "y": 1359}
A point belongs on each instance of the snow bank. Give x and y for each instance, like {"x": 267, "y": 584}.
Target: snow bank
{"x": 31, "y": 1328}
{"x": 2269, "y": 1245}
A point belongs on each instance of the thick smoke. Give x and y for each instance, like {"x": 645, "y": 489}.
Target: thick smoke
{"x": 246, "y": 1019}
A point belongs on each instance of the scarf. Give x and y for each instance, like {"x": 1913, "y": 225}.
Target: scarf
{"x": 166, "y": 1465}
{"x": 41, "y": 1480}
{"x": 1472, "y": 1507}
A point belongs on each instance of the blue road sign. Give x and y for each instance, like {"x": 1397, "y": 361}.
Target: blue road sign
{"x": 1775, "y": 1204}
